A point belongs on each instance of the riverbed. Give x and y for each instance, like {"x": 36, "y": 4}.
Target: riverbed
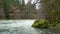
{"x": 22, "y": 27}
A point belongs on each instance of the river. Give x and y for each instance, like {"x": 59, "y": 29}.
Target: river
{"x": 22, "y": 27}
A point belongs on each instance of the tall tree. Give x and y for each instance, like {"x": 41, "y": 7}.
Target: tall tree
{"x": 1, "y": 3}
{"x": 6, "y": 6}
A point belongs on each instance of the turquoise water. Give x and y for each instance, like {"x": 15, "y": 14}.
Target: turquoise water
{"x": 22, "y": 27}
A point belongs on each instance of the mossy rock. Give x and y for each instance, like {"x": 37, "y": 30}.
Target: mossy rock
{"x": 42, "y": 23}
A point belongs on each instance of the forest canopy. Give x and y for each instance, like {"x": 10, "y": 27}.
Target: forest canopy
{"x": 47, "y": 9}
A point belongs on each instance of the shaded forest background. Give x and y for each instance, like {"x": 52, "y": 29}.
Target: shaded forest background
{"x": 15, "y": 9}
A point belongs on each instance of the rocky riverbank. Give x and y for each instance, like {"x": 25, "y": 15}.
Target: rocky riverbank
{"x": 42, "y": 23}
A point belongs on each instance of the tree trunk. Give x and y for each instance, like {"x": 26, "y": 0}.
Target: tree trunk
{"x": 6, "y": 8}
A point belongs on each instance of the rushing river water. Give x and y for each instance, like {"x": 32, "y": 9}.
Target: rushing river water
{"x": 21, "y": 27}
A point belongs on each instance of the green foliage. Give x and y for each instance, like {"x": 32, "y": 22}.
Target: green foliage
{"x": 6, "y": 4}
{"x": 15, "y": 3}
{"x": 1, "y": 3}
{"x": 53, "y": 14}
{"x": 52, "y": 10}
{"x": 58, "y": 26}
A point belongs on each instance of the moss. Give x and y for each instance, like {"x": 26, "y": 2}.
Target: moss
{"x": 40, "y": 23}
